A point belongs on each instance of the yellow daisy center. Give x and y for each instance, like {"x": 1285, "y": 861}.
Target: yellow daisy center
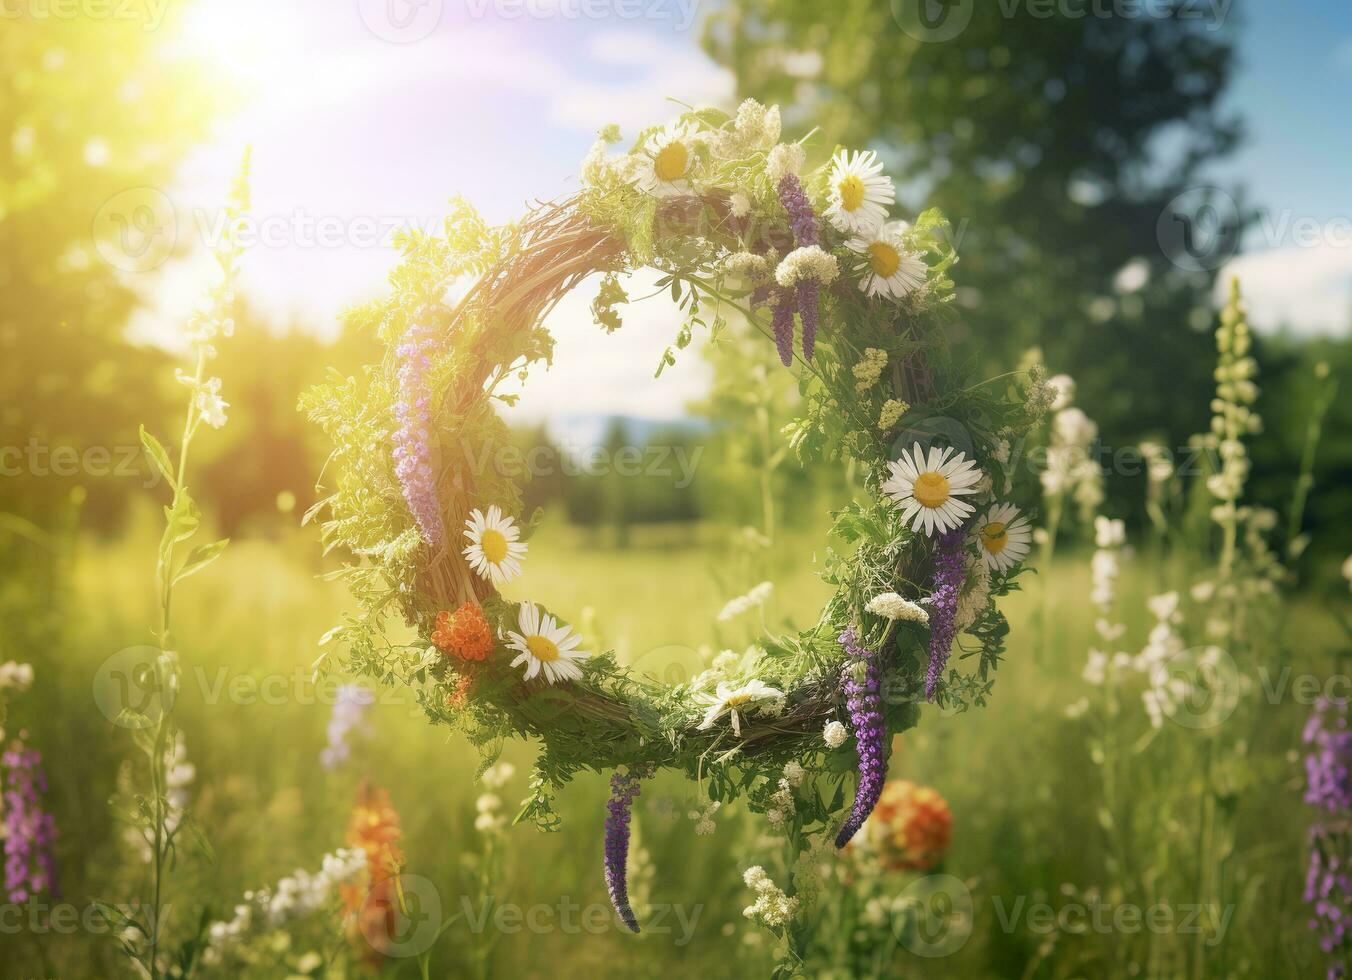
{"x": 851, "y": 191}
{"x": 884, "y": 259}
{"x": 542, "y": 648}
{"x": 995, "y": 536}
{"x": 494, "y": 545}
{"x": 931, "y": 490}
{"x": 671, "y": 161}
{"x": 737, "y": 700}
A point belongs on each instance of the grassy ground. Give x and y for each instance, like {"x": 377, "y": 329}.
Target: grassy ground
{"x": 1033, "y": 819}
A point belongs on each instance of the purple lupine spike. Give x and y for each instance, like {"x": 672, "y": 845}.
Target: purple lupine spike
{"x": 950, "y": 571}
{"x": 624, "y": 787}
{"x": 803, "y": 223}
{"x": 30, "y": 831}
{"x": 861, "y": 681}
{"x": 802, "y": 219}
{"x": 782, "y": 322}
{"x": 1328, "y": 775}
{"x": 808, "y": 297}
{"x": 412, "y": 451}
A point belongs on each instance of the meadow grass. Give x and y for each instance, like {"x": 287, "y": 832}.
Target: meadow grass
{"x": 1029, "y": 811}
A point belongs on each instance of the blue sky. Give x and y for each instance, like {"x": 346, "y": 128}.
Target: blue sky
{"x": 363, "y": 122}
{"x": 1294, "y": 90}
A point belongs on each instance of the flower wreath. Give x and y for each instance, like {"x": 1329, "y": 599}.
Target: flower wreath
{"x": 739, "y": 232}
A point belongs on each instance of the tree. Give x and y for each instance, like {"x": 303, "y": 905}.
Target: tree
{"x": 1055, "y": 143}
{"x": 94, "y": 114}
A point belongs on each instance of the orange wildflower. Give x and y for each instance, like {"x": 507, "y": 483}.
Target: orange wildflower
{"x": 459, "y": 697}
{"x": 911, "y": 826}
{"x": 465, "y": 632}
{"x": 374, "y": 827}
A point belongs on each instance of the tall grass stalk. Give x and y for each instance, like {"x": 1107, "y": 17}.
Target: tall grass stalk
{"x": 141, "y": 932}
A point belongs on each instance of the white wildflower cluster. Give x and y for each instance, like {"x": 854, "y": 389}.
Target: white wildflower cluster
{"x": 747, "y": 265}
{"x": 1062, "y": 392}
{"x": 755, "y": 127}
{"x": 772, "y": 907}
{"x": 704, "y": 818}
{"x": 807, "y": 264}
{"x": 15, "y": 678}
{"x": 754, "y": 599}
{"x": 975, "y": 595}
{"x": 784, "y": 158}
{"x": 1104, "y": 569}
{"x": 781, "y": 800}
{"x": 892, "y": 411}
{"x": 489, "y": 818}
{"x": 1070, "y": 469}
{"x": 1166, "y": 692}
{"x": 1039, "y": 396}
{"x": 891, "y": 606}
{"x": 867, "y": 371}
{"x": 294, "y": 897}
{"x": 1159, "y": 467}
{"x": 835, "y": 734}
{"x": 1109, "y": 537}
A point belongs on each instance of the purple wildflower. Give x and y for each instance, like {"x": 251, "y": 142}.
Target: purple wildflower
{"x": 802, "y": 219}
{"x": 950, "y": 571}
{"x": 30, "y": 832}
{"x": 783, "y": 326}
{"x": 803, "y": 222}
{"x": 624, "y": 786}
{"x": 349, "y": 715}
{"x": 412, "y": 450}
{"x": 1328, "y": 767}
{"x": 808, "y": 312}
{"x": 861, "y": 680}
{"x": 1328, "y": 886}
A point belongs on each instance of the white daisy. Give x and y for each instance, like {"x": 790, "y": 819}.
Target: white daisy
{"x": 665, "y": 160}
{"x": 860, "y": 193}
{"x": 755, "y": 696}
{"x": 494, "y": 551}
{"x": 545, "y": 646}
{"x": 1005, "y": 537}
{"x": 891, "y": 270}
{"x": 927, "y": 488}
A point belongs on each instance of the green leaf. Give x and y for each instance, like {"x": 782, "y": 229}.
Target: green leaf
{"x": 201, "y": 838}
{"x": 159, "y": 456}
{"x": 199, "y": 558}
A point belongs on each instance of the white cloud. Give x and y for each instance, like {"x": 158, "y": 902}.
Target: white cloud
{"x": 1308, "y": 290}
{"x": 599, "y": 374}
